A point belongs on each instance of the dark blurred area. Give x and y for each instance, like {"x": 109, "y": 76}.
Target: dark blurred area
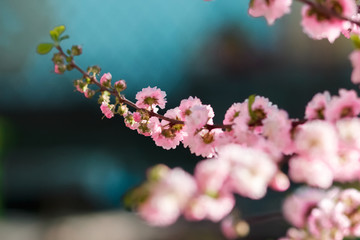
{"x": 64, "y": 169}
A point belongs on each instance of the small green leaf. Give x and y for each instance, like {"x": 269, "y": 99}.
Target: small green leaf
{"x": 54, "y": 35}
{"x": 251, "y": 101}
{"x": 356, "y": 41}
{"x": 56, "y": 32}
{"x": 59, "y": 29}
{"x": 44, "y": 48}
{"x": 64, "y": 37}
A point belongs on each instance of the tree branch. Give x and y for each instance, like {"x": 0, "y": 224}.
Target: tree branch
{"x": 123, "y": 100}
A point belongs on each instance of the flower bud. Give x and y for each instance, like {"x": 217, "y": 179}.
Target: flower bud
{"x": 94, "y": 69}
{"x": 157, "y": 172}
{"x": 76, "y": 50}
{"x": 280, "y": 182}
{"x": 58, "y": 58}
{"x": 60, "y": 68}
{"x": 69, "y": 67}
{"x": 89, "y": 93}
{"x": 120, "y": 85}
{"x": 105, "y": 80}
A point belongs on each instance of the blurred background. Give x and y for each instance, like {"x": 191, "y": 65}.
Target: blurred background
{"x": 64, "y": 169}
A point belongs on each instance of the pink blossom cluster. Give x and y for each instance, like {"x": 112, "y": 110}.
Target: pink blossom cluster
{"x": 245, "y": 158}
{"x": 318, "y": 20}
{"x": 327, "y": 146}
{"x": 244, "y": 155}
{"x": 316, "y": 214}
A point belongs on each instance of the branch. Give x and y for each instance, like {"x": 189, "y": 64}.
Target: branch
{"x": 264, "y": 217}
{"x": 123, "y": 100}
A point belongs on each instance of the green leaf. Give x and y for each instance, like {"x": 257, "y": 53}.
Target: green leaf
{"x": 64, "y": 37}
{"x": 59, "y": 29}
{"x": 54, "y": 35}
{"x": 355, "y": 40}
{"x": 56, "y": 32}
{"x": 44, "y": 48}
{"x": 251, "y": 101}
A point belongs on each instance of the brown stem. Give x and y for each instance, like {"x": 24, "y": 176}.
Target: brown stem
{"x": 123, "y": 100}
{"x": 327, "y": 12}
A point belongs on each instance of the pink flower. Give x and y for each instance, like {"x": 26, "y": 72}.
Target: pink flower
{"x": 168, "y": 198}
{"x": 106, "y": 110}
{"x": 351, "y": 199}
{"x": 160, "y": 210}
{"x": 149, "y": 98}
{"x": 346, "y": 105}
{"x": 105, "y": 79}
{"x": 246, "y": 126}
{"x": 271, "y": 10}
{"x": 211, "y": 174}
{"x": 234, "y": 111}
{"x": 328, "y": 220}
{"x": 202, "y": 142}
{"x": 220, "y": 206}
{"x": 208, "y": 207}
{"x": 319, "y": 26}
{"x": 346, "y": 165}
{"x": 324, "y": 215}
{"x": 251, "y": 170}
{"x": 316, "y": 138}
{"x": 349, "y": 132}
{"x": 315, "y": 109}
{"x": 187, "y": 104}
{"x": 200, "y": 116}
{"x": 313, "y": 172}
{"x": 297, "y": 206}
{"x": 277, "y": 129}
{"x": 165, "y": 135}
{"x": 355, "y": 61}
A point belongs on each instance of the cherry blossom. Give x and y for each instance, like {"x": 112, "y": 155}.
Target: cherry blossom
{"x": 105, "y": 79}
{"x": 270, "y": 9}
{"x": 106, "y": 109}
{"x": 149, "y": 98}
{"x": 319, "y": 25}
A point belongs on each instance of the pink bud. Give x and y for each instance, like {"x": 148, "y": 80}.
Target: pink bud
{"x": 105, "y": 79}
{"x": 120, "y": 85}
{"x": 56, "y": 69}
{"x": 280, "y": 182}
